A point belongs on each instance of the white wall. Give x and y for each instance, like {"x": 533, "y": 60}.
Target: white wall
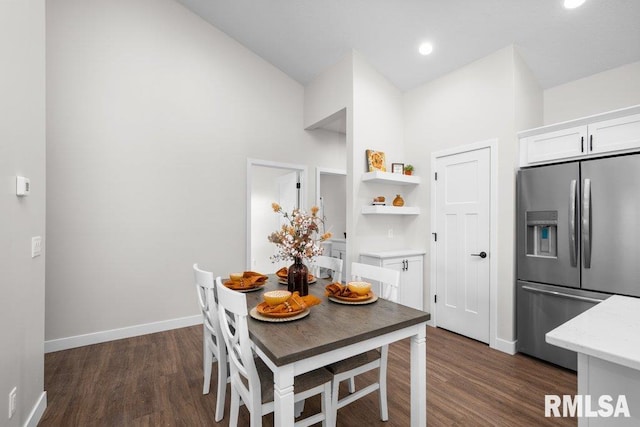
{"x": 151, "y": 115}
{"x": 329, "y": 93}
{"x": 22, "y": 152}
{"x": 609, "y": 90}
{"x": 474, "y": 103}
{"x": 378, "y": 124}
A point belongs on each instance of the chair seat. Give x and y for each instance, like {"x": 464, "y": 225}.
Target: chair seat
{"x": 353, "y": 362}
{"x": 301, "y": 383}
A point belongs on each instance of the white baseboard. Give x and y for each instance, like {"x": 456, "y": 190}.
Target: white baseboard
{"x": 38, "y": 410}
{"x": 116, "y": 334}
{"x": 505, "y": 346}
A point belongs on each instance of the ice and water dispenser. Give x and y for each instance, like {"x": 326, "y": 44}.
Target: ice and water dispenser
{"x": 542, "y": 231}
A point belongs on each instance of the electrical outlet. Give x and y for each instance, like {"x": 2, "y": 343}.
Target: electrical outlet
{"x": 390, "y": 233}
{"x": 36, "y": 246}
{"x": 12, "y": 402}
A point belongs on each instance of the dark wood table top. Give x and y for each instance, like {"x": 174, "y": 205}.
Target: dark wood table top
{"x": 329, "y": 325}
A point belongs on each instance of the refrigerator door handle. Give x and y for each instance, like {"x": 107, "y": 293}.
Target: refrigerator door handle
{"x": 563, "y": 295}
{"x": 586, "y": 223}
{"x": 573, "y": 243}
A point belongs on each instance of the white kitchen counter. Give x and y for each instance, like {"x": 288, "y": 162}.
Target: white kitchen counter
{"x": 609, "y": 331}
{"x": 607, "y": 340}
{"x": 394, "y": 254}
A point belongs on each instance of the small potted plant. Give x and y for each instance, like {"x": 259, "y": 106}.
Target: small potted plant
{"x": 408, "y": 169}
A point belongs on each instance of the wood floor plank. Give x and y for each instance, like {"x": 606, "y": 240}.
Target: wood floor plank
{"x": 156, "y": 380}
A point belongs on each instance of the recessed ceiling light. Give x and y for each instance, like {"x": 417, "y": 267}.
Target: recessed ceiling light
{"x": 425, "y": 48}
{"x": 572, "y": 4}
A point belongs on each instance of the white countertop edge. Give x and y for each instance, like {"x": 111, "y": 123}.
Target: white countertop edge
{"x": 609, "y": 331}
{"x": 395, "y": 253}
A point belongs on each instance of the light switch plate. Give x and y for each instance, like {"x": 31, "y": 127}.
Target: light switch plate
{"x": 23, "y": 186}
{"x": 36, "y": 246}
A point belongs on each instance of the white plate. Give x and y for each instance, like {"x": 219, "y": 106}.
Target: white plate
{"x": 254, "y": 313}
{"x": 373, "y": 299}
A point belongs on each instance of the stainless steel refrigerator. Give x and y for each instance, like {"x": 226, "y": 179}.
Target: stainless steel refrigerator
{"x": 578, "y": 242}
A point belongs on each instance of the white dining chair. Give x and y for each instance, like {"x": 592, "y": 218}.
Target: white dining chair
{"x": 374, "y": 359}
{"x": 213, "y": 347}
{"x": 330, "y": 263}
{"x": 251, "y": 378}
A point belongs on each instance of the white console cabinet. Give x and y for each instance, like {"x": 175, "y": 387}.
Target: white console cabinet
{"x": 410, "y": 264}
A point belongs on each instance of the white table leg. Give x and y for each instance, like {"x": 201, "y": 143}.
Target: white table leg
{"x": 419, "y": 378}
{"x": 283, "y": 411}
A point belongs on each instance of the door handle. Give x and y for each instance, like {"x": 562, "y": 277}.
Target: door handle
{"x": 573, "y": 243}
{"x": 482, "y": 254}
{"x": 562, "y": 294}
{"x": 586, "y": 223}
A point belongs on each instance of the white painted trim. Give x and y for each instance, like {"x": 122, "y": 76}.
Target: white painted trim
{"x": 325, "y": 171}
{"x": 38, "y": 410}
{"x": 505, "y": 346}
{"x": 301, "y": 169}
{"x": 116, "y": 334}
{"x": 492, "y": 144}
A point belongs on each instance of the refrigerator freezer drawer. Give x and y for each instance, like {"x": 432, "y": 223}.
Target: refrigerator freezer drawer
{"x": 541, "y": 308}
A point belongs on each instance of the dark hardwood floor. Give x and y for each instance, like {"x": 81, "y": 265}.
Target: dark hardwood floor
{"x": 156, "y": 380}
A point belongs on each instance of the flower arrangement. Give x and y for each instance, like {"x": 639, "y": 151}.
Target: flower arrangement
{"x": 300, "y": 237}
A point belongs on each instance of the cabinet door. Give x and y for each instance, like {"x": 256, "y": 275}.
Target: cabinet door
{"x": 613, "y": 135}
{"x": 410, "y": 288}
{"x": 556, "y": 145}
{"x": 411, "y": 284}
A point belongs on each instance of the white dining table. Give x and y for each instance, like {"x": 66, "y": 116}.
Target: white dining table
{"x": 333, "y": 332}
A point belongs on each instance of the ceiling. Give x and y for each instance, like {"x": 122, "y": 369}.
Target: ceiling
{"x": 304, "y": 37}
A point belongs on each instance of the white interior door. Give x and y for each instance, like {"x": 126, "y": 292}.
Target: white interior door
{"x": 462, "y": 211}
{"x": 288, "y": 191}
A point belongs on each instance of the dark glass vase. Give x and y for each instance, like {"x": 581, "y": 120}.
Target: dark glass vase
{"x": 298, "y": 278}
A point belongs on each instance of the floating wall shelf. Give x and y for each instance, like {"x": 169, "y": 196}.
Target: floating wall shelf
{"x": 390, "y": 210}
{"x": 390, "y": 178}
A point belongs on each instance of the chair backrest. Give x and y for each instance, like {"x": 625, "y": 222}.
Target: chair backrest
{"x": 333, "y": 264}
{"x": 388, "y": 279}
{"x": 205, "y": 288}
{"x": 232, "y": 315}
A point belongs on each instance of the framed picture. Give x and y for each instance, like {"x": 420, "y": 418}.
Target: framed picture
{"x": 397, "y": 168}
{"x": 376, "y": 161}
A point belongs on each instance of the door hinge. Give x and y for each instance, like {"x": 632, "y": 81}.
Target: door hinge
{"x": 298, "y": 185}
{"x": 436, "y": 176}
{"x": 435, "y": 237}
{"x": 435, "y": 299}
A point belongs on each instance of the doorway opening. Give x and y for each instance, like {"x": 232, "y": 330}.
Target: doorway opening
{"x": 269, "y": 182}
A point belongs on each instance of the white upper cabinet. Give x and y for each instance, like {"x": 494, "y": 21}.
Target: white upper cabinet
{"x": 615, "y": 135}
{"x": 608, "y": 133}
{"x": 558, "y": 145}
